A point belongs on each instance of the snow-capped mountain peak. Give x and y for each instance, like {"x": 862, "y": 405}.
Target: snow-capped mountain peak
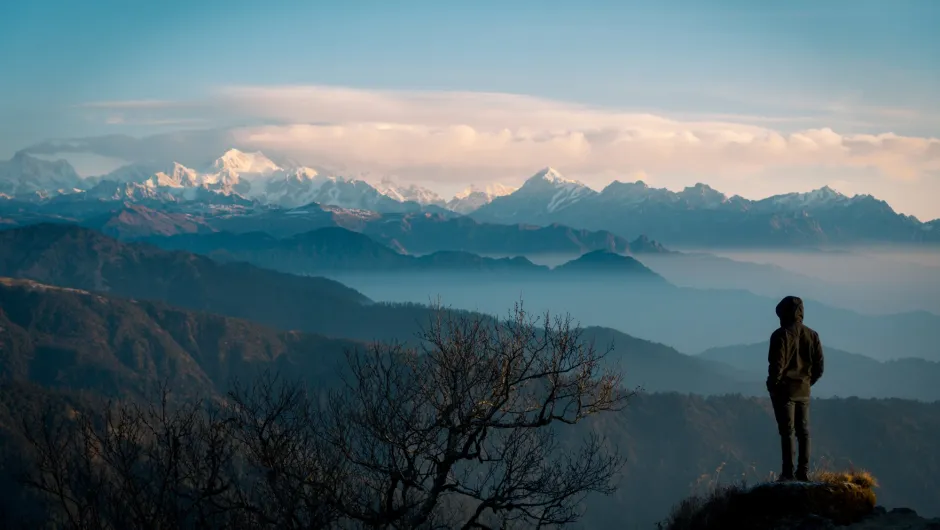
{"x": 552, "y": 175}
{"x": 826, "y": 193}
{"x": 824, "y": 196}
{"x": 179, "y": 176}
{"x": 490, "y": 190}
{"x": 703, "y": 195}
{"x": 548, "y": 191}
{"x": 240, "y": 162}
{"x": 411, "y": 192}
{"x": 475, "y": 197}
{"x": 299, "y": 174}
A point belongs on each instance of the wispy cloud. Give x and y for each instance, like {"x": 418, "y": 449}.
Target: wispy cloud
{"x": 121, "y": 119}
{"x": 467, "y": 132}
{"x": 459, "y": 136}
{"x": 131, "y": 104}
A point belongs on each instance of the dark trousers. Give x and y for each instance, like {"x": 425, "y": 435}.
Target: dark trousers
{"x": 792, "y": 416}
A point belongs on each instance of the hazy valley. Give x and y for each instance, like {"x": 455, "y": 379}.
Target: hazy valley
{"x": 65, "y": 341}
{"x": 198, "y": 278}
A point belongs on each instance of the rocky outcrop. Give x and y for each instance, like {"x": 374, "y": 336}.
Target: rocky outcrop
{"x": 830, "y": 500}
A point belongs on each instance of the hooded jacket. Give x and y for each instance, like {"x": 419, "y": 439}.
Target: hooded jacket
{"x": 795, "y": 359}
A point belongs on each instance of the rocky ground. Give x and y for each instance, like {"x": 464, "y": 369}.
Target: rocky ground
{"x": 844, "y": 500}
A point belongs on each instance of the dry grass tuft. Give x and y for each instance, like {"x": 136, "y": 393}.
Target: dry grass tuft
{"x": 842, "y": 497}
{"x": 862, "y": 479}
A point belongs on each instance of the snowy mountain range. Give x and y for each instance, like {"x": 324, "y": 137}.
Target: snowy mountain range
{"x": 234, "y": 177}
{"x": 701, "y": 215}
{"x": 549, "y": 193}
{"x": 696, "y": 215}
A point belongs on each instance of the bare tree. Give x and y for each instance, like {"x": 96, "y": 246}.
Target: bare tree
{"x": 150, "y": 467}
{"x": 472, "y": 429}
{"x": 461, "y": 432}
{"x": 275, "y": 424}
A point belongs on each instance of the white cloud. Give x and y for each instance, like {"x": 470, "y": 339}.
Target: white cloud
{"x": 131, "y": 104}
{"x": 458, "y": 134}
{"x": 463, "y": 133}
{"x": 461, "y": 136}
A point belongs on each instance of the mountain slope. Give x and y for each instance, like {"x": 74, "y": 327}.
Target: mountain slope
{"x": 134, "y": 221}
{"x": 71, "y": 256}
{"x": 76, "y": 340}
{"x": 847, "y": 374}
{"x": 25, "y": 175}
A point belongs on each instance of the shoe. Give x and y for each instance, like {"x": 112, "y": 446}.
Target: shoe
{"x": 802, "y": 476}
{"x": 785, "y": 478}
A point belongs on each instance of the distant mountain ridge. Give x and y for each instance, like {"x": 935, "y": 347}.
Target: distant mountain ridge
{"x": 334, "y": 250}
{"x": 697, "y": 215}
{"x": 701, "y": 215}
{"x": 236, "y": 175}
{"x": 413, "y": 233}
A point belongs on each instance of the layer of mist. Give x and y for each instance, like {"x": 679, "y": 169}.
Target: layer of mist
{"x": 690, "y": 320}
{"x": 872, "y": 281}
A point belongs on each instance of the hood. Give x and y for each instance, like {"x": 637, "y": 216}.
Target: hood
{"x": 790, "y": 310}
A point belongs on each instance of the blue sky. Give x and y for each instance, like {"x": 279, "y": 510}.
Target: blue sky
{"x": 857, "y": 67}
{"x": 874, "y": 53}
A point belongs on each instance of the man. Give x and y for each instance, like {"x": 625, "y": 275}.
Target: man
{"x": 795, "y": 364}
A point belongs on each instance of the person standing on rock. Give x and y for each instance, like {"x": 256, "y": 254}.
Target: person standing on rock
{"x": 795, "y": 364}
